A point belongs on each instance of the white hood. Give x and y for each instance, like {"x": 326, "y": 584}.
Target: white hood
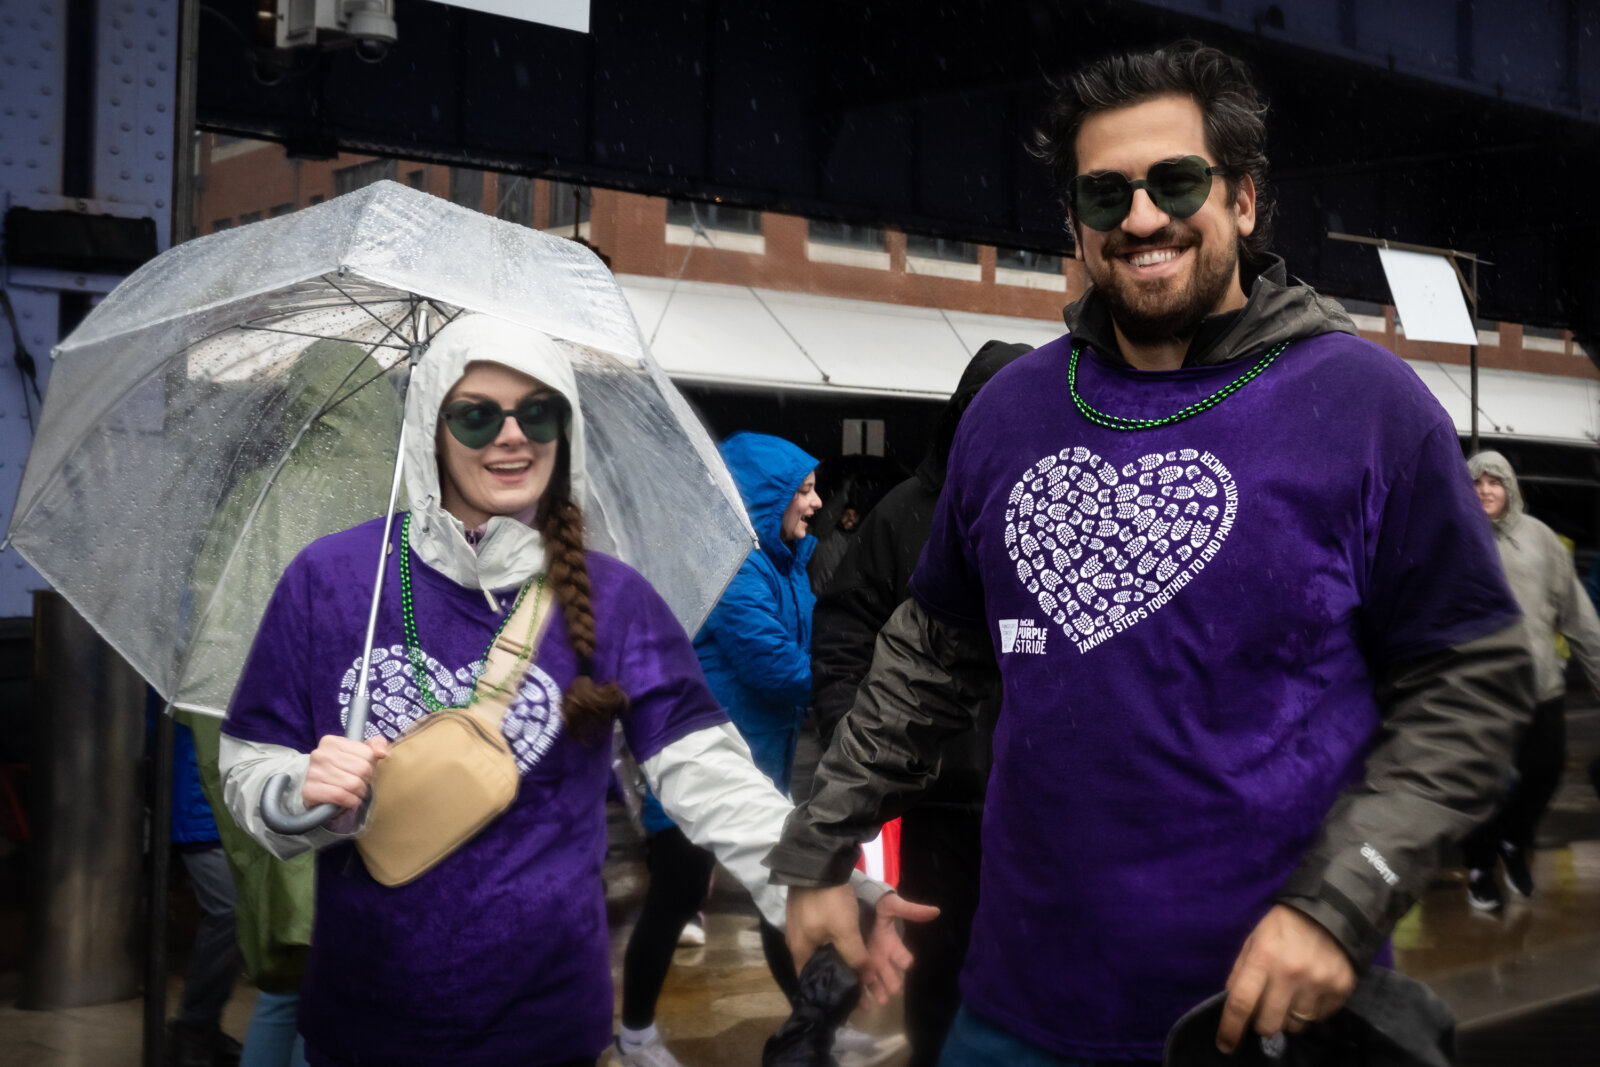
{"x": 510, "y": 552}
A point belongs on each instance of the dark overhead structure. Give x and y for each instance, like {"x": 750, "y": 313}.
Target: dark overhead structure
{"x": 1454, "y": 123}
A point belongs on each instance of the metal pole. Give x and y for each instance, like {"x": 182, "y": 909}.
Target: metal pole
{"x": 82, "y": 935}
{"x": 1472, "y": 295}
{"x": 158, "y": 878}
{"x": 183, "y": 155}
{"x": 160, "y": 873}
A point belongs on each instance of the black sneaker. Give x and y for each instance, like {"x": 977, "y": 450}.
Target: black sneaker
{"x": 188, "y": 1045}
{"x": 1518, "y": 877}
{"x": 200, "y": 1046}
{"x": 225, "y": 1050}
{"x": 1483, "y": 892}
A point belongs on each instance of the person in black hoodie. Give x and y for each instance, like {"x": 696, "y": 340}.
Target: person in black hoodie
{"x": 939, "y": 842}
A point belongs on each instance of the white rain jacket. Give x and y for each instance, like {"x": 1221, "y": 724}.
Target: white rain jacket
{"x": 705, "y": 781}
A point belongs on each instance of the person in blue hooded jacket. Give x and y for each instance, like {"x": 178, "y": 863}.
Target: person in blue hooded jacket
{"x": 756, "y": 645}
{"x": 755, "y": 649}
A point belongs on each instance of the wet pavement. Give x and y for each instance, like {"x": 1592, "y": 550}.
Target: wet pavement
{"x": 1524, "y": 983}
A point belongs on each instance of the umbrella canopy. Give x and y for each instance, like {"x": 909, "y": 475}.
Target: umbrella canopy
{"x": 239, "y": 396}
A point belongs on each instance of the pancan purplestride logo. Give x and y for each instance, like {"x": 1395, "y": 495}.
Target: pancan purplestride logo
{"x": 1102, "y": 548}
{"x": 530, "y": 726}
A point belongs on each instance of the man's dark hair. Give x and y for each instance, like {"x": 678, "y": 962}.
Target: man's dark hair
{"x": 1236, "y": 133}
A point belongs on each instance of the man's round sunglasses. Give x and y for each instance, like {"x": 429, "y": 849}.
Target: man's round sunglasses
{"x": 476, "y": 423}
{"x": 1178, "y": 187}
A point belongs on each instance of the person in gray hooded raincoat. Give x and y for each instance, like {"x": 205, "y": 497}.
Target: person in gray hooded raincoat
{"x": 1542, "y": 578}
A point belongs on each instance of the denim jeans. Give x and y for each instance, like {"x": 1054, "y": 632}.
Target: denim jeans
{"x": 273, "y": 1039}
{"x": 972, "y": 1042}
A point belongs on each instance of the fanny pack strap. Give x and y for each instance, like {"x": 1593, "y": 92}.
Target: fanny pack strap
{"x": 509, "y": 658}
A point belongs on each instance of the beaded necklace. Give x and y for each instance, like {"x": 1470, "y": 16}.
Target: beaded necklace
{"x": 1118, "y": 422}
{"x": 419, "y": 669}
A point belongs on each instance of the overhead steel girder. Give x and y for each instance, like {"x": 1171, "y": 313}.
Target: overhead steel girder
{"x": 921, "y": 116}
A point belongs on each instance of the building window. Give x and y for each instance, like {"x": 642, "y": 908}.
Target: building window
{"x": 516, "y": 200}
{"x": 279, "y": 209}
{"x": 466, "y": 188}
{"x": 221, "y": 224}
{"x": 417, "y": 179}
{"x": 724, "y": 217}
{"x": 941, "y": 248}
{"x": 1024, "y": 259}
{"x": 569, "y": 205}
{"x": 848, "y": 234}
{"x": 316, "y": 198}
{"x": 361, "y": 175}
{"x": 1543, "y": 339}
{"x": 248, "y": 217}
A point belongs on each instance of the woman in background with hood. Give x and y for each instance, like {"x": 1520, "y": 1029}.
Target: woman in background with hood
{"x": 499, "y": 953}
{"x": 1540, "y": 572}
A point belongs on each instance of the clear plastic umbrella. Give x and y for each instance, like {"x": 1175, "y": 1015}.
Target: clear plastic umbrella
{"x": 238, "y": 397}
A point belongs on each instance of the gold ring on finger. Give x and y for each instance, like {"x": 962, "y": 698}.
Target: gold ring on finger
{"x": 1300, "y": 1017}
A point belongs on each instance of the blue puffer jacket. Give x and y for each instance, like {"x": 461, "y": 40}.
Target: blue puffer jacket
{"x": 192, "y": 821}
{"x": 756, "y": 645}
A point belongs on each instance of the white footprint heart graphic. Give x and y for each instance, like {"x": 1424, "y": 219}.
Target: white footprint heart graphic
{"x": 1101, "y": 548}
{"x": 530, "y": 726}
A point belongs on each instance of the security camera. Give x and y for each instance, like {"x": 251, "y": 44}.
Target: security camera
{"x": 368, "y": 25}
{"x": 371, "y": 50}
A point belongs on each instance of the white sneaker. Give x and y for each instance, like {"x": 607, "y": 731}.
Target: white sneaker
{"x": 653, "y": 1053}
{"x": 694, "y": 933}
{"x": 856, "y": 1048}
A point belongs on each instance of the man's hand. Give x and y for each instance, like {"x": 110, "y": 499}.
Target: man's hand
{"x": 1290, "y": 972}
{"x": 818, "y": 917}
{"x": 888, "y": 959}
{"x": 340, "y": 771}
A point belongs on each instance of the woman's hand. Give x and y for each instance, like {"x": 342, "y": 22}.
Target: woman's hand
{"x": 341, "y": 771}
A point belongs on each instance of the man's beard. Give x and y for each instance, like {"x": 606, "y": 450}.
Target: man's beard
{"x": 1152, "y": 314}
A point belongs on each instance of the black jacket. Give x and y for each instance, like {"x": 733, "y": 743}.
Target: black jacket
{"x": 871, "y": 581}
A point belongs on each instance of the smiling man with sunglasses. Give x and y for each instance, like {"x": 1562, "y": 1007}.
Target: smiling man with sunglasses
{"x": 1258, "y": 663}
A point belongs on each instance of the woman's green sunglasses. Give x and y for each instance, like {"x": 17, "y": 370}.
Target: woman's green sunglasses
{"x": 1178, "y": 187}
{"x": 476, "y": 423}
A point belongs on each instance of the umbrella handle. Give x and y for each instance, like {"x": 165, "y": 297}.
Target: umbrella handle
{"x": 273, "y": 801}
{"x": 275, "y": 798}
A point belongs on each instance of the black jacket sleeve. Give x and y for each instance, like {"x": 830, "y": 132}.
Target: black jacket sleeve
{"x": 1450, "y": 723}
{"x": 926, "y": 682}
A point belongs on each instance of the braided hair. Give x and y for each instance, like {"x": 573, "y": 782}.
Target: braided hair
{"x": 587, "y": 708}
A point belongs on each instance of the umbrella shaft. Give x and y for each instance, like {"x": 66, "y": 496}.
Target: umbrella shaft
{"x": 356, "y": 728}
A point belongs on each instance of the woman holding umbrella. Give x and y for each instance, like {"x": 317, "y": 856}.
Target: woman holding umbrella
{"x": 499, "y": 953}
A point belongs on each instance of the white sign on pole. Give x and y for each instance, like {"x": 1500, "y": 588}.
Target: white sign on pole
{"x": 1428, "y": 297}
{"x": 562, "y": 14}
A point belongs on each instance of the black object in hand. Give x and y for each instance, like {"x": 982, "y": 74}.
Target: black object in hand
{"x": 828, "y": 991}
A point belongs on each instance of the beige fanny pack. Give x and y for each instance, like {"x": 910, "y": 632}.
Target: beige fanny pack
{"x": 453, "y": 772}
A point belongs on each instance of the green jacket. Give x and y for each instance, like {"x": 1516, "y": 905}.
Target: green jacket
{"x": 352, "y": 444}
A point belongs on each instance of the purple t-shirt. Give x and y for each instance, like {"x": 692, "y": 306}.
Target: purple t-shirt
{"x": 499, "y": 955}
{"x": 1188, "y": 622}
